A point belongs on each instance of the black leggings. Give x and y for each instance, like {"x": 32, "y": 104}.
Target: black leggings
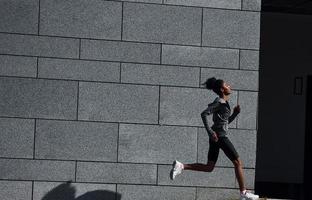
{"x": 226, "y": 145}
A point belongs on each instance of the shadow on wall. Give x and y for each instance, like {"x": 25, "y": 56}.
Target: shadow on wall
{"x": 66, "y": 191}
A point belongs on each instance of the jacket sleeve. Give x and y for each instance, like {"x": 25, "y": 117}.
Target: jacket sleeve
{"x": 232, "y": 117}
{"x": 213, "y": 107}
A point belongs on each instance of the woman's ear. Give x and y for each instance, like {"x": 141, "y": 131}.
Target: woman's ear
{"x": 222, "y": 89}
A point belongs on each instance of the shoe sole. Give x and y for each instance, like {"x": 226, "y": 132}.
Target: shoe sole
{"x": 171, "y": 172}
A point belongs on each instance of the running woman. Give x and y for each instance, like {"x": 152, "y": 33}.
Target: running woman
{"x": 218, "y": 139}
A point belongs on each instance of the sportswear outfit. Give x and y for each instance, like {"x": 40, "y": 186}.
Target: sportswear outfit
{"x": 221, "y": 118}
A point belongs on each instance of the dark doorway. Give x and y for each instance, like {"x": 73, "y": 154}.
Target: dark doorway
{"x": 308, "y": 141}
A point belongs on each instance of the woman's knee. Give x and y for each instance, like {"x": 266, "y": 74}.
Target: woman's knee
{"x": 210, "y": 166}
{"x": 237, "y": 163}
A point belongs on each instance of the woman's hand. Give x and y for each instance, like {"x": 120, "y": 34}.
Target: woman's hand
{"x": 237, "y": 109}
{"x": 215, "y": 137}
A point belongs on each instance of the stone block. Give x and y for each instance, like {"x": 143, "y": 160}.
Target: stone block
{"x": 233, "y": 29}
{"x": 19, "y": 16}
{"x": 38, "y": 98}
{"x": 217, "y": 194}
{"x": 30, "y": 45}
{"x": 69, "y": 140}
{"x": 141, "y": 192}
{"x": 162, "y": 24}
{"x": 18, "y": 66}
{"x": 19, "y": 169}
{"x": 78, "y": 70}
{"x": 228, "y": 4}
{"x": 200, "y": 56}
{"x": 159, "y": 75}
{"x": 81, "y": 18}
{"x": 249, "y": 59}
{"x": 17, "y": 137}
{"x": 118, "y": 102}
{"x": 120, "y": 51}
{"x": 116, "y": 173}
{"x": 253, "y": 5}
{"x": 156, "y": 144}
{"x": 15, "y": 190}
{"x": 145, "y": 1}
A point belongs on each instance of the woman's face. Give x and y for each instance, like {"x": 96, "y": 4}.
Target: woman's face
{"x": 226, "y": 88}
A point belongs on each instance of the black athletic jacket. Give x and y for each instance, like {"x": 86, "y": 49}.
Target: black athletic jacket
{"x": 221, "y": 117}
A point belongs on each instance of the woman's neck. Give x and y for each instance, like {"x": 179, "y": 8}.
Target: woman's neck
{"x": 225, "y": 97}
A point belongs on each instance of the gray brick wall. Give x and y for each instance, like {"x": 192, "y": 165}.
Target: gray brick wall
{"x": 106, "y": 94}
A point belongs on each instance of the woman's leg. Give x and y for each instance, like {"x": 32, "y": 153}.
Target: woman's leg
{"x": 230, "y": 151}
{"x": 240, "y": 178}
{"x": 213, "y": 154}
{"x": 200, "y": 167}
{"x": 239, "y": 174}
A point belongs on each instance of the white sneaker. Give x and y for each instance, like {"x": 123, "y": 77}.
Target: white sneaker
{"x": 248, "y": 196}
{"x": 177, "y": 168}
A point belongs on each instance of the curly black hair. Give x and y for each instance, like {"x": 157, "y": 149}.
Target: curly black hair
{"x": 214, "y": 84}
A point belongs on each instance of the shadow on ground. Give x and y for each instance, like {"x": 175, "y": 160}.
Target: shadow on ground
{"x": 67, "y": 191}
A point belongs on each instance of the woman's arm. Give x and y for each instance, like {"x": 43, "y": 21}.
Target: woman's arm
{"x": 234, "y": 114}
{"x": 213, "y": 107}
